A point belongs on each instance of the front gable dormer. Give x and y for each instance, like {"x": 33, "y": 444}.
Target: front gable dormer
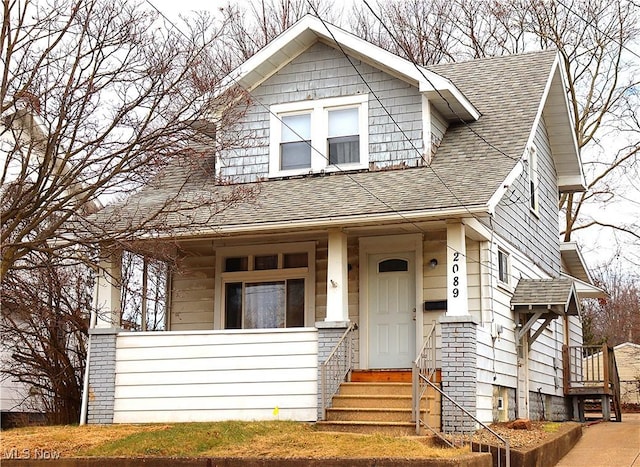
{"x": 327, "y": 101}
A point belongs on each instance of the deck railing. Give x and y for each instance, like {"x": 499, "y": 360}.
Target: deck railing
{"x": 336, "y": 367}
{"x": 592, "y": 370}
{"x": 585, "y": 365}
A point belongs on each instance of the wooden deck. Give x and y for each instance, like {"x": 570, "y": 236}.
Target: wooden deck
{"x": 591, "y": 373}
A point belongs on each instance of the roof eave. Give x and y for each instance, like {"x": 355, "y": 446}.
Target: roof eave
{"x": 573, "y": 258}
{"x": 310, "y": 29}
{"x": 559, "y": 121}
{"x": 329, "y": 222}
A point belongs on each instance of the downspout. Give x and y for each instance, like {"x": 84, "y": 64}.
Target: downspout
{"x": 85, "y": 384}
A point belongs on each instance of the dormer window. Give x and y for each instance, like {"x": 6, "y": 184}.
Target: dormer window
{"x": 295, "y": 146}
{"x": 319, "y": 135}
{"x": 344, "y": 136}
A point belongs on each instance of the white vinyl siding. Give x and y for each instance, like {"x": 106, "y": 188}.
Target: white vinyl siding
{"x": 192, "y": 294}
{"x": 534, "y": 234}
{"x": 216, "y": 375}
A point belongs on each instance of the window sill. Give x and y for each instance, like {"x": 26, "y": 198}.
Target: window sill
{"x": 506, "y": 287}
{"x": 325, "y": 170}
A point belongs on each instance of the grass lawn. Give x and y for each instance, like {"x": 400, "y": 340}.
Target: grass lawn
{"x": 228, "y": 439}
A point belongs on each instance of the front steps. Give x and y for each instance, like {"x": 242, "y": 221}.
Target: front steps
{"x": 379, "y": 402}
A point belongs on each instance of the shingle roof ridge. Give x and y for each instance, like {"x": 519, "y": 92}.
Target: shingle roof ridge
{"x": 552, "y": 52}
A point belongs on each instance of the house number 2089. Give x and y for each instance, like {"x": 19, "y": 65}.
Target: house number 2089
{"x": 454, "y": 269}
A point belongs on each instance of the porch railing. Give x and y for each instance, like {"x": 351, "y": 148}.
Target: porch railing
{"x": 335, "y": 368}
{"x": 424, "y": 367}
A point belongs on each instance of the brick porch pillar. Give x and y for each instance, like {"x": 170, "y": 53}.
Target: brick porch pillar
{"x": 459, "y": 372}
{"x": 102, "y": 376}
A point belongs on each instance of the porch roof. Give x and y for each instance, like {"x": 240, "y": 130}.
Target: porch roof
{"x": 470, "y": 165}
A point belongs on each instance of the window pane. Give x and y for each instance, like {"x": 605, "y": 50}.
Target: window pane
{"x": 503, "y": 265}
{"x": 344, "y": 150}
{"x": 264, "y": 305}
{"x": 265, "y": 262}
{"x": 343, "y": 122}
{"x": 296, "y": 128}
{"x": 236, "y": 264}
{"x": 295, "y": 303}
{"x": 295, "y": 155}
{"x": 296, "y": 260}
{"x": 233, "y": 306}
{"x": 393, "y": 265}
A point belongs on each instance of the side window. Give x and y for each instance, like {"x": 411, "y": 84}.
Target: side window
{"x": 532, "y": 175}
{"x": 503, "y": 266}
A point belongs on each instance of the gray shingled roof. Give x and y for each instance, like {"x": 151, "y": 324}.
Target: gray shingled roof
{"x": 542, "y": 292}
{"x": 466, "y": 171}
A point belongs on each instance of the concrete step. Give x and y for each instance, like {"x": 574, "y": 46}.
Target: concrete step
{"x": 373, "y": 389}
{"x": 368, "y": 414}
{"x": 380, "y": 401}
{"x": 370, "y": 427}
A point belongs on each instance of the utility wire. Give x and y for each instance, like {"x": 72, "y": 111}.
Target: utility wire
{"x": 490, "y": 267}
{"x": 611, "y": 38}
{"x": 421, "y": 71}
{"x": 347, "y": 174}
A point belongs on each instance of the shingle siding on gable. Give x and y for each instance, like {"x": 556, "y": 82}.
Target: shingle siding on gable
{"x": 323, "y": 72}
{"x": 536, "y": 237}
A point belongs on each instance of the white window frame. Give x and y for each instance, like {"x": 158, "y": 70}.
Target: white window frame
{"x": 319, "y": 110}
{"x": 533, "y": 180}
{"x": 280, "y": 249}
{"x": 506, "y": 280}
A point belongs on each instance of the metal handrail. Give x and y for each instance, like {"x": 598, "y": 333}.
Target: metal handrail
{"x": 336, "y": 367}
{"x": 424, "y": 365}
{"x": 481, "y": 424}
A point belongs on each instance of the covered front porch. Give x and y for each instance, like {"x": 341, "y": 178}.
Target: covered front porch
{"x": 250, "y": 320}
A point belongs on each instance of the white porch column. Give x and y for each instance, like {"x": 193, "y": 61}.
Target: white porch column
{"x": 457, "y": 295}
{"x": 337, "y": 278}
{"x": 107, "y": 292}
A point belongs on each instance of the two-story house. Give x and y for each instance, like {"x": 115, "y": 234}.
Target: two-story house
{"x": 400, "y": 209}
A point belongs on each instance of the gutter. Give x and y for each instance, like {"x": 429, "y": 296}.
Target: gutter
{"x": 360, "y": 220}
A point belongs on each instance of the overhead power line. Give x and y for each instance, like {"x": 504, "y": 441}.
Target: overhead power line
{"x": 339, "y": 169}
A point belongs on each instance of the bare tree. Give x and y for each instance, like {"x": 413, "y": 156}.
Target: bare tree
{"x": 251, "y": 27}
{"x": 595, "y": 40}
{"x": 98, "y": 98}
{"x": 44, "y": 322}
{"x": 615, "y": 319}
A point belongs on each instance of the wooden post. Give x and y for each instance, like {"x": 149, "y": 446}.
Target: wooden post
{"x": 566, "y": 369}
{"x": 605, "y": 368}
{"x": 337, "y": 277}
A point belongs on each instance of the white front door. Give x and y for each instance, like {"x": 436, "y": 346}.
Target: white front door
{"x": 392, "y": 325}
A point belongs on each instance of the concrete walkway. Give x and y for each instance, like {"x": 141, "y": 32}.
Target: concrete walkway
{"x": 607, "y": 444}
